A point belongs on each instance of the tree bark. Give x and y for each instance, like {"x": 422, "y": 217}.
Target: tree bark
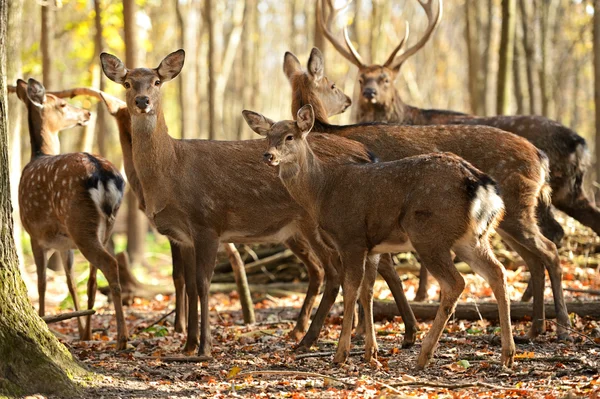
{"x": 33, "y": 361}
{"x": 475, "y": 70}
{"x": 530, "y": 63}
{"x": 103, "y": 128}
{"x": 319, "y": 37}
{"x": 597, "y": 81}
{"x": 136, "y": 220}
{"x": 517, "y": 76}
{"x": 215, "y": 117}
{"x": 548, "y": 19}
{"x": 47, "y": 46}
{"x": 487, "y": 310}
{"x": 506, "y": 56}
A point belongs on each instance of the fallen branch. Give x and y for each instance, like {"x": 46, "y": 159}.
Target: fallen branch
{"x": 589, "y": 292}
{"x": 67, "y": 316}
{"x": 179, "y": 359}
{"x": 256, "y": 266}
{"x": 325, "y": 354}
{"x": 489, "y": 310}
{"x": 289, "y": 288}
{"x": 476, "y": 384}
{"x": 159, "y": 320}
{"x": 294, "y": 373}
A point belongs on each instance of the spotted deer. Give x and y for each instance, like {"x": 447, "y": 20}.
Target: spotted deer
{"x": 519, "y": 168}
{"x": 68, "y": 201}
{"x": 432, "y": 203}
{"x": 380, "y": 101}
{"x": 202, "y": 192}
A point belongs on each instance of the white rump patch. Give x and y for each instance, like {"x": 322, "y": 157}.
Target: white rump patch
{"x": 485, "y": 206}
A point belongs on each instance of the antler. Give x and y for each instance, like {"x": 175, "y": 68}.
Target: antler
{"x": 111, "y": 102}
{"x": 433, "y": 22}
{"x": 351, "y": 56}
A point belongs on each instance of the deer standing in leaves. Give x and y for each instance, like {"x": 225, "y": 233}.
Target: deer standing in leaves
{"x": 519, "y": 168}
{"x": 433, "y": 203}
{"x": 201, "y": 192}
{"x": 379, "y": 101}
{"x": 68, "y": 201}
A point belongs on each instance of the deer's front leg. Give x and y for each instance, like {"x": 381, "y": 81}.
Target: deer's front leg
{"x": 206, "y": 246}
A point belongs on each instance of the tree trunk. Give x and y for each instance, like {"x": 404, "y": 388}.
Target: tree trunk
{"x": 103, "y": 127}
{"x": 517, "y": 76}
{"x": 319, "y": 38}
{"x": 530, "y": 63}
{"x": 215, "y": 120}
{"x": 475, "y": 70}
{"x": 136, "y": 220}
{"x": 505, "y": 57}
{"x": 597, "y": 81}
{"x": 548, "y": 19}
{"x": 33, "y": 361}
{"x": 47, "y": 46}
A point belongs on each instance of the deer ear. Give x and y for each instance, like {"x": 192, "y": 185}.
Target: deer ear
{"x": 113, "y": 68}
{"x": 291, "y": 65}
{"x": 36, "y": 93}
{"x": 257, "y": 122}
{"x": 171, "y": 65}
{"x": 22, "y": 90}
{"x": 305, "y": 119}
{"x": 112, "y": 103}
{"x": 316, "y": 64}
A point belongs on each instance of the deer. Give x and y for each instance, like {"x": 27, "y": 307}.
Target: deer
{"x": 380, "y": 101}
{"x": 68, "y": 201}
{"x": 201, "y": 192}
{"x": 432, "y": 203}
{"x": 519, "y": 168}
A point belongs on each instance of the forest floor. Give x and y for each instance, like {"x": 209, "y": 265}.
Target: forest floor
{"x": 259, "y": 361}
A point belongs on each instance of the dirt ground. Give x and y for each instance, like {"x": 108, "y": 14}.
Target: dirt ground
{"x": 259, "y": 360}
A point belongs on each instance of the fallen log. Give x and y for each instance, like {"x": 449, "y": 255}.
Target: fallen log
{"x": 67, "y": 316}
{"x": 290, "y": 288}
{"x": 488, "y": 310}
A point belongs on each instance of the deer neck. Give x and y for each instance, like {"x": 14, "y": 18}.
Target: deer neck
{"x": 44, "y": 138}
{"x": 304, "y": 179}
{"x": 153, "y": 150}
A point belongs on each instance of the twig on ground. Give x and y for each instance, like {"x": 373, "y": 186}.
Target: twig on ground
{"x": 476, "y": 384}
{"x": 561, "y": 359}
{"x": 589, "y": 292}
{"x": 294, "y": 373}
{"x": 175, "y": 359}
{"x": 66, "y": 316}
{"x": 159, "y": 320}
{"x": 576, "y": 332}
{"x": 325, "y": 354}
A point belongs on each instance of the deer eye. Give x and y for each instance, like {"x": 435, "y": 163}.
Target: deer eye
{"x": 386, "y": 80}
{"x": 157, "y": 83}
{"x": 62, "y": 105}
{"x": 333, "y": 86}
{"x": 360, "y": 81}
{"x": 127, "y": 85}
{"x": 289, "y": 138}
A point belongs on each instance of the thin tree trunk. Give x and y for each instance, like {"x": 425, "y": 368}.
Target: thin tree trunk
{"x": 597, "y": 81}
{"x": 506, "y": 55}
{"x": 103, "y": 128}
{"x": 548, "y": 18}
{"x": 215, "y": 124}
{"x": 136, "y": 221}
{"x": 486, "y": 59}
{"x": 33, "y": 360}
{"x": 318, "y": 37}
{"x": 471, "y": 35}
{"x": 47, "y": 46}
{"x": 530, "y": 64}
{"x": 517, "y": 78}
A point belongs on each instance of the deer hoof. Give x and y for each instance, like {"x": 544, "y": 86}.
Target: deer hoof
{"x": 296, "y": 335}
{"x": 340, "y": 357}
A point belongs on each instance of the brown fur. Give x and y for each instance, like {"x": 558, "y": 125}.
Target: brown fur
{"x": 517, "y": 166}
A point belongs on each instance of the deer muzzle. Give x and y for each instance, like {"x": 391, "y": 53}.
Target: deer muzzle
{"x": 143, "y": 103}
{"x": 270, "y": 159}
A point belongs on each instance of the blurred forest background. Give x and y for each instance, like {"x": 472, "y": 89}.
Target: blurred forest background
{"x": 234, "y": 54}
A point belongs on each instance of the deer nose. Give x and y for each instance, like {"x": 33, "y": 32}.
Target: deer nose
{"x": 369, "y": 92}
{"x": 267, "y": 157}
{"x": 142, "y": 102}
{"x": 87, "y": 115}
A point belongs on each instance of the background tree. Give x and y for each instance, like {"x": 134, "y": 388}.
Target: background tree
{"x": 596, "y": 22}
{"x": 506, "y": 56}
{"x": 24, "y": 337}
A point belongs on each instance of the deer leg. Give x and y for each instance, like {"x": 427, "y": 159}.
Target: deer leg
{"x": 421, "y": 294}
{"x": 330, "y": 293}
{"x": 179, "y": 283}
{"x": 528, "y": 294}
{"x": 480, "y": 257}
{"x": 545, "y": 251}
{"x": 389, "y": 274}
{"x": 206, "y": 247}
{"x": 67, "y": 261}
{"x": 40, "y": 256}
{"x": 439, "y": 264}
{"x": 549, "y": 227}
{"x": 366, "y": 300}
{"x": 92, "y": 287}
{"x": 188, "y": 256}
{"x": 316, "y": 275}
{"x": 353, "y": 270}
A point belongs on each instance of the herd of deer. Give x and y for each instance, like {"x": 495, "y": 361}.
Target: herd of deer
{"x": 341, "y": 197}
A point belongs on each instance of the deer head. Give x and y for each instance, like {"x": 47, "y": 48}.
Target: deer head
{"x": 286, "y": 139}
{"x": 312, "y": 83}
{"x": 377, "y": 81}
{"x": 56, "y": 113}
{"x": 142, "y": 85}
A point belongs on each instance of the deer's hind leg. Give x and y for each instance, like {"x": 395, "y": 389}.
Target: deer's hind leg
{"x": 316, "y": 275}
{"x": 480, "y": 257}
{"x": 67, "y": 261}
{"x": 439, "y": 264}
{"x": 88, "y": 237}
{"x": 366, "y": 300}
{"x": 40, "y": 256}
{"x": 181, "y": 300}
